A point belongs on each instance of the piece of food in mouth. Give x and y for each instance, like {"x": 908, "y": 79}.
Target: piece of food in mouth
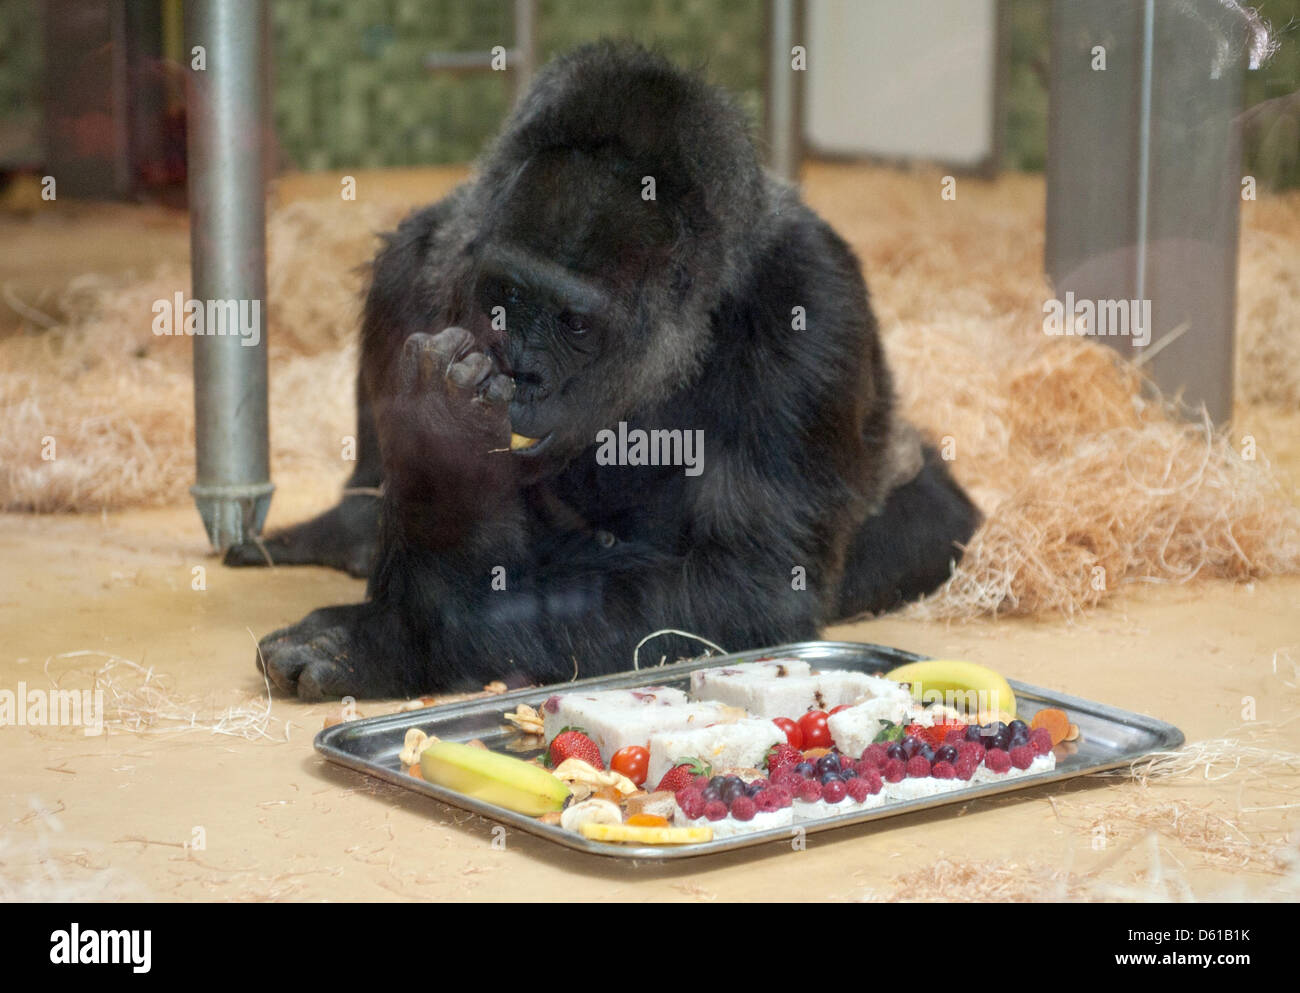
{"x": 518, "y": 442}
{"x": 618, "y": 719}
{"x": 766, "y": 695}
{"x": 739, "y": 743}
{"x": 493, "y": 777}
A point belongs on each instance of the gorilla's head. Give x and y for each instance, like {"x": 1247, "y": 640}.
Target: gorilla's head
{"x": 610, "y": 218}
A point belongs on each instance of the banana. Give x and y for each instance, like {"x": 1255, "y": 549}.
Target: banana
{"x": 492, "y": 777}
{"x": 646, "y": 835}
{"x": 969, "y": 687}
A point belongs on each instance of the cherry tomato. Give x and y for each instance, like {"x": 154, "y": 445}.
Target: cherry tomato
{"x": 815, "y": 732}
{"x": 793, "y": 733}
{"x": 632, "y": 761}
{"x": 836, "y": 710}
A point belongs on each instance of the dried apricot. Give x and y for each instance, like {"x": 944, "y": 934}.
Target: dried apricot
{"x": 1057, "y": 724}
{"x": 647, "y": 820}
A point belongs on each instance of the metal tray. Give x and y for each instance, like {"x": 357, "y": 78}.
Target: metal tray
{"x": 1109, "y": 737}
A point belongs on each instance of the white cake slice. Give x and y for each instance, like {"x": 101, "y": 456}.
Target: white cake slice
{"x": 854, "y": 729}
{"x": 742, "y": 743}
{"x": 614, "y": 719}
{"x": 729, "y": 683}
{"x": 791, "y": 695}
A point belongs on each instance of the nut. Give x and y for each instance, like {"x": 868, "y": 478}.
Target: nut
{"x": 577, "y": 771}
{"x": 526, "y": 719}
{"x": 415, "y": 742}
{"x": 590, "y": 812}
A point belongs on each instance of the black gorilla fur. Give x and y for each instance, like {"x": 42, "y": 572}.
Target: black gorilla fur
{"x": 676, "y": 312}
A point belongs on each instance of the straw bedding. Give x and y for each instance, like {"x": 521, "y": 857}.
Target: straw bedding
{"x": 1087, "y": 479}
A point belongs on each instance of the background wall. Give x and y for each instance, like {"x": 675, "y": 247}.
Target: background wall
{"x": 350, "y": 90}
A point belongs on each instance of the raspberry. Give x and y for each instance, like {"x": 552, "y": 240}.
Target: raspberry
{"x": 893, "y": 770}
{"x": 956, "y": 736}
{"x": 810, "y": 791}
{"x": 743, "y": 808}
{"x": 918, "y": 767}
{"x": 1022, "y": 756}
{"x": 965, "y": 767}
{"x": 700, "y": 782}
{"x": 846, "y": 762}
{"x": 715, "y": 810}
{"x": 972, "y": 749}
{"x": 943, "y": 770}
{"x": 768, "y": 800}
{"x": 873, "y": 781}
{"x": 786, "y": 776}
{"x": 782, "y": 796}
{"x": 874, "y": 755}
{"x": 1040, "y": 740}
{"x": 691, "y": 801}
{"x": 859, "y": 789}
{"x": 835, "y": 791}
{"x": 997, "y": 760}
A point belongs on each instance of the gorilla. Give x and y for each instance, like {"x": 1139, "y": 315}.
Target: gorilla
{"x": 539, "y": 352}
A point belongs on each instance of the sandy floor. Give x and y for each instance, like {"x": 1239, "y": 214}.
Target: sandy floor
{"x": 110, "y": 816}
{"x": 115, "y": 815}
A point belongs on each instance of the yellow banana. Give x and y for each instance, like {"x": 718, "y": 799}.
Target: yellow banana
{"x": 495, "y": 778}
{"x": 964, "y": 685}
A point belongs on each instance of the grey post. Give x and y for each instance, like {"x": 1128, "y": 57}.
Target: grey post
{"x": 783, "y": 87}
{"x": 225, "y": 105}
{"x": 1144, "y": 178}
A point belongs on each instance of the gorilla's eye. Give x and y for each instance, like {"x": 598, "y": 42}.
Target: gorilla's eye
{"x": 513, "y": 296}
{"x": 576, "y": 323}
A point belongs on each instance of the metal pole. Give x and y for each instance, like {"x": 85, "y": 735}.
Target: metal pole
{"x": 525, "y": 45}
{"x": 225, "y": 110}
{"x": 784, "y": 22}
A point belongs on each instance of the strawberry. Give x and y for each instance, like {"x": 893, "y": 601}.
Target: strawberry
{"x": 932, "y": 736}
{"x": 571, "y": 743}
{"x": 782, "y": 756}
{"x": 683, "y": 774}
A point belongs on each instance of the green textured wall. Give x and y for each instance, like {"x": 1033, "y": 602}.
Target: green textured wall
{"x": 351, "y": 89}
{"x": 21, "y": 65}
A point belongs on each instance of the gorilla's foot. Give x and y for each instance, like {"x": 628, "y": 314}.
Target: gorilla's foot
{"x": 345, "y": 537}
{"x": 327, "y": 656}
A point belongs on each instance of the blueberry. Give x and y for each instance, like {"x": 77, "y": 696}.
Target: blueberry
{"x": 754, "y": 788}
{"x": 710, "y": 793}
{"x": 831, "y": 777}
{"x": 829, "y": 762}
{"x": 1000, "y": 740}
{"x": 926, "y": 752}
{"x": 973, "y": 732}
{"x": 1019, "y": 727}
{"x": 730, "y": 790}
{"x": 895, "y": 751}
{"x": 717, "y": 781}
{"x": 849, "y": 773}
{"x": 805, "y": 769}
{"x": 946, "y": 754}
{"x": 911, "y": 745}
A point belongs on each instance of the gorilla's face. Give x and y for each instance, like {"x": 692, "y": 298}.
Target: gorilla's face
{"x": 578, "y": 266}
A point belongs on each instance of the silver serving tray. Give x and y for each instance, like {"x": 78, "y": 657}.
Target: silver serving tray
{"x": 1109, "y": 738}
